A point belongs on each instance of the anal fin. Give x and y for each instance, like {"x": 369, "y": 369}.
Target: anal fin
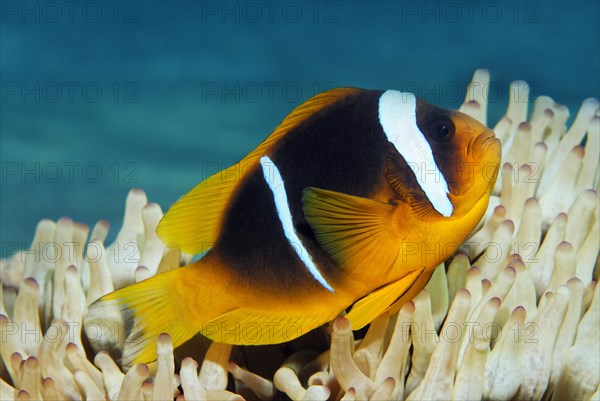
{"x": 254, "y": 327}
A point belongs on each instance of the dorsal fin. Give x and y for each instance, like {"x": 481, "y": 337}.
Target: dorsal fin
{"x": 192, "y": 223}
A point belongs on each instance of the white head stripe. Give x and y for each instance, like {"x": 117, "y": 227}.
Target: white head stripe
{"x": 397, "y": 115}
{"x": 275, "y": 182}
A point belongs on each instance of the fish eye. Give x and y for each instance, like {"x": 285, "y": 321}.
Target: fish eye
{"x": 441, "y": 129}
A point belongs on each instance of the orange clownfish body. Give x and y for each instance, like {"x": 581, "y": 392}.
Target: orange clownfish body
{"x": 351, "y": 202}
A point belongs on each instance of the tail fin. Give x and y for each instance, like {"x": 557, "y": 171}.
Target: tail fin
{"x": 132, "y": 318}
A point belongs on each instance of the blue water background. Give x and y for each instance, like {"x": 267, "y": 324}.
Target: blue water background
{"x": 164, "y": 93}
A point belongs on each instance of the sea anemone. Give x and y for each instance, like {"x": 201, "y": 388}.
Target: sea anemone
{"x": 514, "y": 315}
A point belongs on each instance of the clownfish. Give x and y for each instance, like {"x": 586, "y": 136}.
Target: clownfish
{"x": 348, "y": 206}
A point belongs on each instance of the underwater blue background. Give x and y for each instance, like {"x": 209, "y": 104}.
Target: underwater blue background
{"x": 99, "y": 97}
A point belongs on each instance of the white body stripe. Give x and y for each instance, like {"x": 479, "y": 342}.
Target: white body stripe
{"x": 397, "y": 115}
{"x": 275, "y": 182}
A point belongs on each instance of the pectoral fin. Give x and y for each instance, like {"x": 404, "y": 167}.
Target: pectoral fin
{"x": 356, "y": 232}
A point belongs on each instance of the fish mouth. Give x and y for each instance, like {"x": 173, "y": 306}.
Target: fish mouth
{"x": 483, "y": 153}
{"x": 486, "y": 147}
